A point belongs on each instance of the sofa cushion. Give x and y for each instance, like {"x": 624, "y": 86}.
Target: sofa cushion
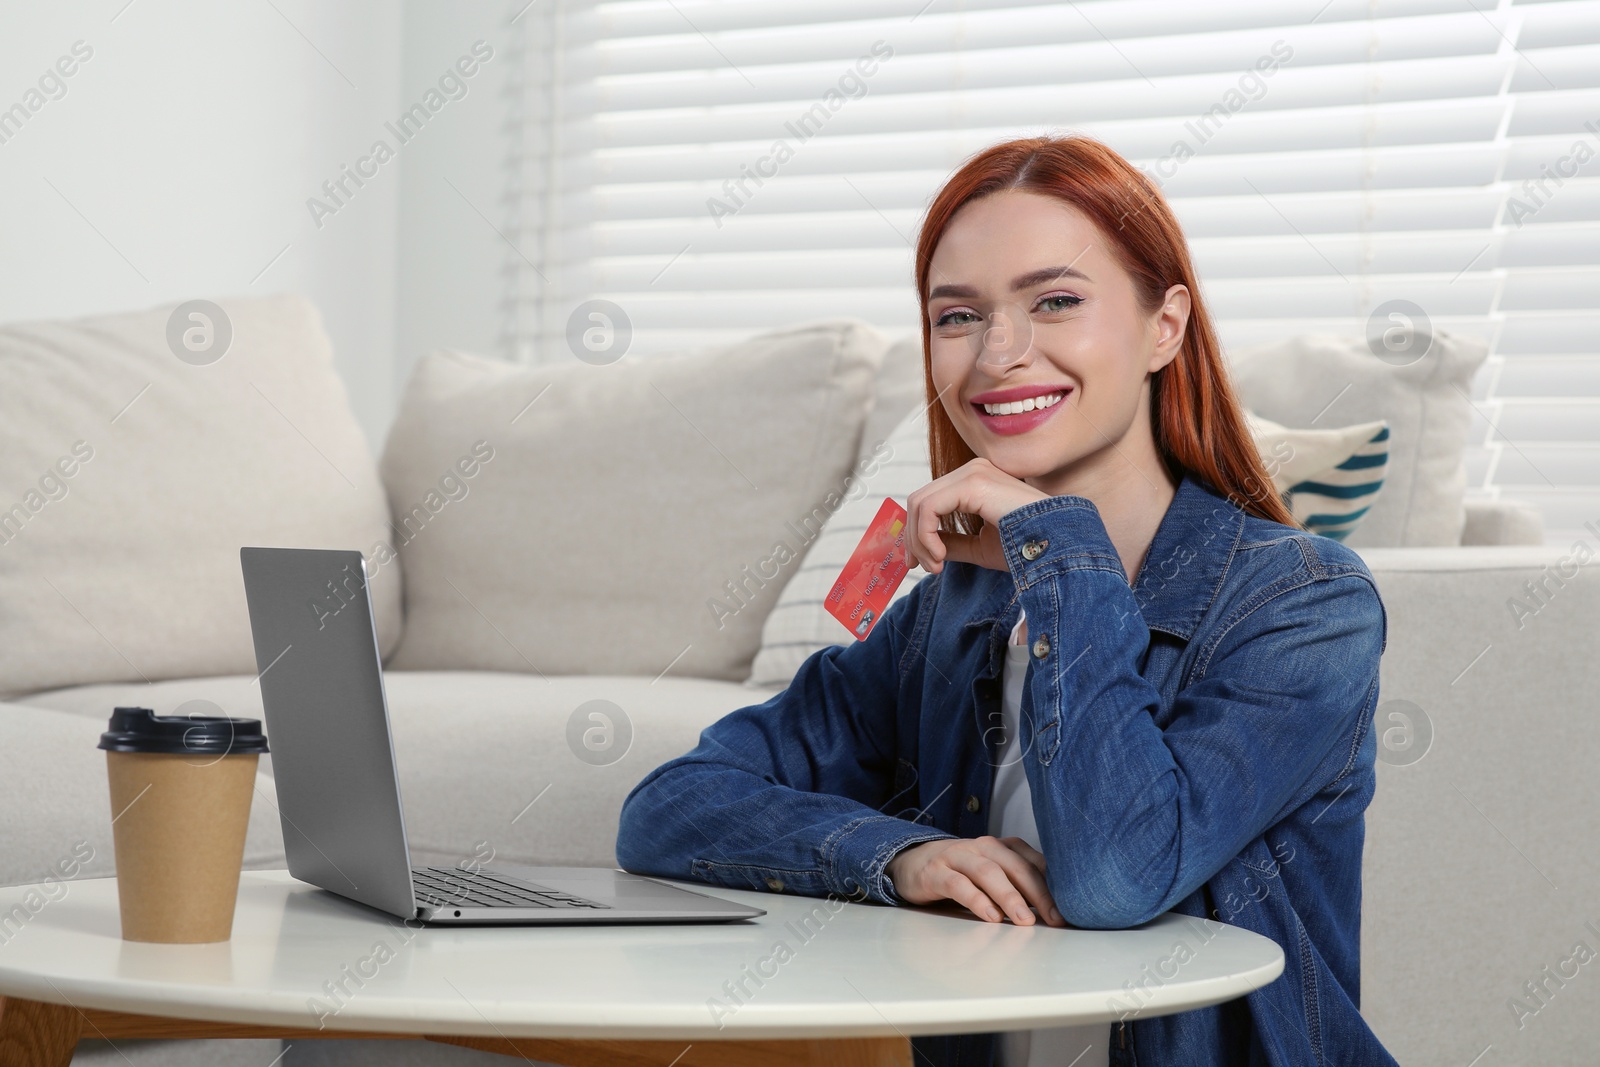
{"x": 514, "y": 760}
{"x": 1325, "y": 380}
{"x": 1502, "y": 522}
{"x": 630, "y": 518}
{"x": 131, "y": 477}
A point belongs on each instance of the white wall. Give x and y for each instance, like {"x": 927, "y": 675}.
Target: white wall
{"x": 187, "y": 146}
{"x": 450, "y": 282}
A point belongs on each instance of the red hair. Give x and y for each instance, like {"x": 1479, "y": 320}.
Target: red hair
{"x": 1195, "y": 416}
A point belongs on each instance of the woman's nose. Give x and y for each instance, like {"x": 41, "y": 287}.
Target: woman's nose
{"x": 1007, "y": 337}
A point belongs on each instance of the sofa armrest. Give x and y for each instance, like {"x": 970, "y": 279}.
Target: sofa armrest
{"x": 1480, "y": 868}
{"x": 1502, "y": 522}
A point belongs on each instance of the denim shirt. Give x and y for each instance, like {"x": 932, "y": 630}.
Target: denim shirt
{"x": 1200, "y": 742}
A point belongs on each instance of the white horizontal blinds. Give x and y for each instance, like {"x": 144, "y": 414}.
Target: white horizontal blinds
{"x": 1377, "y": 160}
{"x": 1544, "y": 396}
{"x": 533, "y": 139}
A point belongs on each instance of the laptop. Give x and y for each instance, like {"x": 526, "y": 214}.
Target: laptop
{"x": 333, "y": 761}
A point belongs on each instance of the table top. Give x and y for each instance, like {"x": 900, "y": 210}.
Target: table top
{"x": 809, "y": 968}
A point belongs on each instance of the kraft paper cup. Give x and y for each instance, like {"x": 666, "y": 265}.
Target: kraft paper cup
{"x": 180, "y": 805}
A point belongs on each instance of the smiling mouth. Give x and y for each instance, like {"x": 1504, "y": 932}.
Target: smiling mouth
{"x": 1017, "y": 407}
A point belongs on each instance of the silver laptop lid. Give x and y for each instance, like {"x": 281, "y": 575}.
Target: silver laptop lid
{"x": 328, "y": 722}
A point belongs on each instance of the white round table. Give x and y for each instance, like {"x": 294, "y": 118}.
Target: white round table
{"x": 305, "y": 960}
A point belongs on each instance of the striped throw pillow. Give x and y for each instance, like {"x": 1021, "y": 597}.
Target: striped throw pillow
{"x": 1330, "y": 478}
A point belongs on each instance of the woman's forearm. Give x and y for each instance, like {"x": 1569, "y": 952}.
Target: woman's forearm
{"x": 705, "y": 818}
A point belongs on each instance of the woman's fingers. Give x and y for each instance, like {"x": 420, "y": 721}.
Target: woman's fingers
{"x": 1029, "y": 877}
{"x": 963, "y": 548}
{"x": 1026, "y": 869}
{"x": 994, "y": 878}
{"x": 923, "y": 509}
{"x": 988, "y": 875}
{"x": 982, "y": 548}
{"x": 977, "y": 488}
{"x": 1008, "y": 878}
{"x": 956, "y": 886}
{"x": 1027, "y": 851}
{"x": 1025, "y": 866}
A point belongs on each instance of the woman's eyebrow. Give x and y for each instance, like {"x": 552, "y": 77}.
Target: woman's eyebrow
{"x": 1046, "y": 274}
{"x": 1022, "y": 281}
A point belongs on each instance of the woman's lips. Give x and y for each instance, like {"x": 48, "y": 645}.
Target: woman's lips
{"x": 1022, "y": 422}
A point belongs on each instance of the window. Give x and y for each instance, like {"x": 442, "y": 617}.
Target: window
{"x": 717, "y": 167}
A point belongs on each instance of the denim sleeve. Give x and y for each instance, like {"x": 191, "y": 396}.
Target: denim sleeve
{"x": 1132, "y": 817}
{"x": 784, "y": 795}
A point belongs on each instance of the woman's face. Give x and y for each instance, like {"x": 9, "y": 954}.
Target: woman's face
{"x": 1030, "y": 309}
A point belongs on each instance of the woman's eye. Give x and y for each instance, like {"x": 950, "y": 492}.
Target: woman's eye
{"x": 955, "y": 317}
{"x": 1059, "y": 303}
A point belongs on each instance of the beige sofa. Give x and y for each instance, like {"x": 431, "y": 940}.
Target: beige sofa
{"x": 1480, "y": 867}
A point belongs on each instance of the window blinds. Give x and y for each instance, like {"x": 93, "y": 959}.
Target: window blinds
{"x": 717, "y": 167}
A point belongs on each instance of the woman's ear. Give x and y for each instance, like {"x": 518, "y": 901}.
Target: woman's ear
{"x": 1171, "y": 324}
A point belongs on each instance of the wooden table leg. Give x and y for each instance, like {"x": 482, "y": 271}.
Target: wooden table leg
{"x": 830, "y": 1052}
{"x": 33, "y": 1034}
{"x": 121, "y": 1024}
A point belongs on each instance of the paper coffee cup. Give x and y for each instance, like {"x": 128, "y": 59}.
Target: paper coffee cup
{"x": 180, "y": 805}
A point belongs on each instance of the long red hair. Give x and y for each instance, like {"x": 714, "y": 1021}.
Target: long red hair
{"x": 1195, "y": 416}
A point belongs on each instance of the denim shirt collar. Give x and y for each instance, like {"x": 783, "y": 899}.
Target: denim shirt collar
{"x": 1178, "y": 580}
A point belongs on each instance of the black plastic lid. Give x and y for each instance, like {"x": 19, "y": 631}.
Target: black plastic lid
{"x": 142, "y": 730}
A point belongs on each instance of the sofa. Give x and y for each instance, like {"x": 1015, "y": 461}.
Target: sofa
{"x": 624, "y": 541}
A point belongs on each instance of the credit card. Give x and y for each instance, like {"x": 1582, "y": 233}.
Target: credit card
{"x": 876, "y": 569}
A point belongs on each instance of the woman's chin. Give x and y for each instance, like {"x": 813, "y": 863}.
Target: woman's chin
{"x": 1028, "y": 473}
{"x": 1022, "y": 460}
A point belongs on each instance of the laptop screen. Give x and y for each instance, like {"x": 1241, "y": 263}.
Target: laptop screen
{"x": 328, "y": 723}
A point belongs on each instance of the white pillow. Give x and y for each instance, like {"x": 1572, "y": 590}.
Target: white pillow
{"x": 799, "y": 625}
{"x": 131, "y": 478}
{"x": 633, "y": 518}
{"x": 897, "y": 392}
{"x": 1332, "y": 381}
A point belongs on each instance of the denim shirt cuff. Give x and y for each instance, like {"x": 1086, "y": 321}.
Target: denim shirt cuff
{"x": 1057, "y": 534}
{"x": 856, "y": 856}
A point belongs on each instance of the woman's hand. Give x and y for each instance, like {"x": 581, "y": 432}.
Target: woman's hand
{"x": 992, "y": 877}
{"x": 977, "y": 487}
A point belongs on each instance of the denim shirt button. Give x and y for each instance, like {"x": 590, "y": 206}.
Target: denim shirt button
{"x": 1032, "y": 550}
{"x": 973, "y": 803}
{"x": 1041, "y": 646}
{"x": 775, "y": 884}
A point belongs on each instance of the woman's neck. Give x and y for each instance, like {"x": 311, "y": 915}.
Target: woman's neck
{"x": 1129, "y": 485}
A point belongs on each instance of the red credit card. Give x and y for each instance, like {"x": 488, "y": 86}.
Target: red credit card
{"x": 876, "y": 568}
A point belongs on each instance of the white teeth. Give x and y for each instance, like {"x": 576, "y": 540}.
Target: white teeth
{"x": 1017, "y": 407}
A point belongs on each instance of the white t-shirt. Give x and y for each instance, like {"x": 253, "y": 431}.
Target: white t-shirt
{"x": 1011, "y": 815}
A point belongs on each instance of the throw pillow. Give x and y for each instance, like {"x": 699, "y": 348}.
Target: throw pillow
{"x": 1327, "y": 380}
{"x": 632, "y": 518}
{"x": 800, "y": 625}
{"x": 898, "y": 391}
{"x": 131, "y": 475}
{"x": 1332, "y": 477}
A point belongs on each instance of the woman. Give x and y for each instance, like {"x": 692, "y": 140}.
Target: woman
{"x": 1130, "y": 685}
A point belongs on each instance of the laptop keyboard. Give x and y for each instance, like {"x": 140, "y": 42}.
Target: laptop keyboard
{"x": 452, "y": 887}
